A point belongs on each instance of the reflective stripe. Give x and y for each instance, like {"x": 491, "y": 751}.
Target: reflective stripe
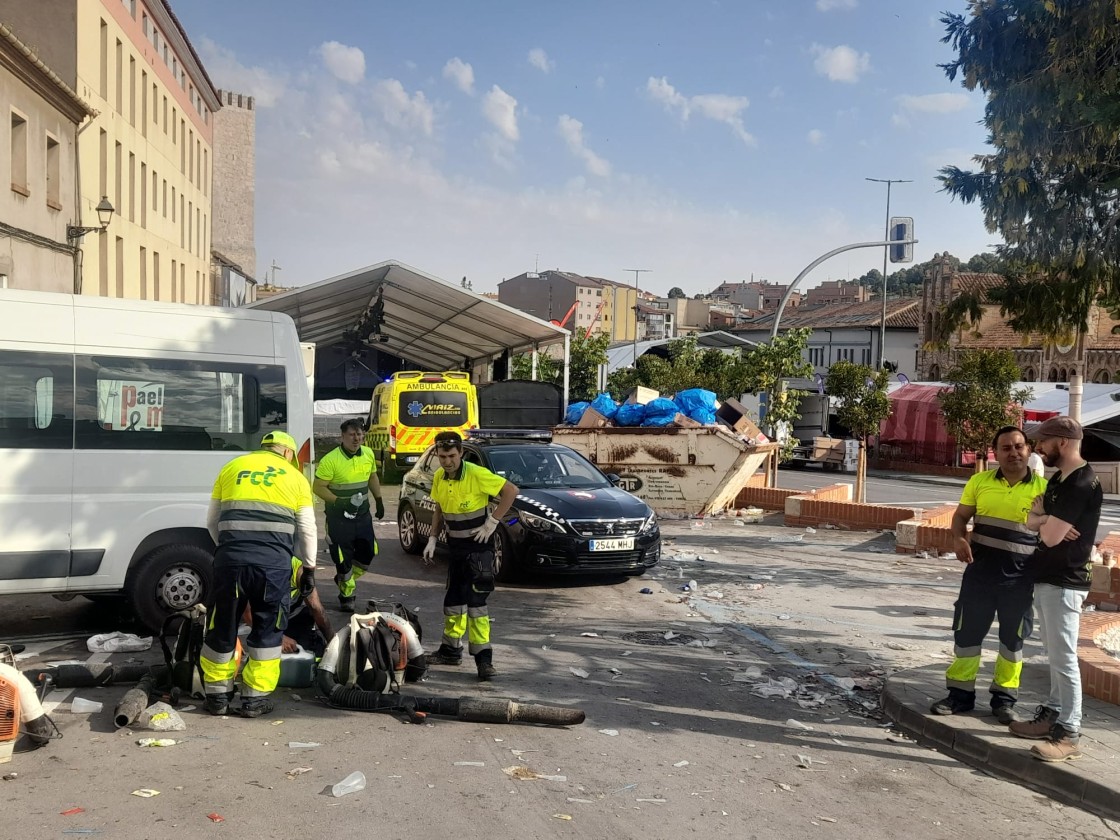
{"x": 1004, "y": 523}
{"x": 461, "y": 525}
{"x": 1011, "y": 655}
{"x": 1004, "y": 545}
{"x": 342, "y": 488}
{"x": 244, "y": 525}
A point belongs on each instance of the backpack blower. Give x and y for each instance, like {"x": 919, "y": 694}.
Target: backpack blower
{"x": 19, "y": 705}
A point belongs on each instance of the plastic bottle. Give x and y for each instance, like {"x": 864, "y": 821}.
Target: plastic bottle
{"x": 353, "y": 783}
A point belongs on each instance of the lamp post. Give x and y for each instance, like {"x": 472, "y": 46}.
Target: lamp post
{"x": 886, "y": 251}
{"x": 636, "y": 271}
{"x": 104, "y": 209}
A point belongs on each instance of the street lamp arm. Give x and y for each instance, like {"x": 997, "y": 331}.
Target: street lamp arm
{"x": 797, "y": 280}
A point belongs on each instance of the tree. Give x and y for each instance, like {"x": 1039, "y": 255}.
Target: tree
{"x": 548, "y": 368}
{"x": 862, "y": 405}
{"x": 676, "y": 292}
{"x": 586, "y": 353}
{"x": 985, "y": 263}
{"x": 982, "y": 399}
{"x": 687, "y": 366}
{"x": 1051, "y": 72}
{"x": 768, "y": 367}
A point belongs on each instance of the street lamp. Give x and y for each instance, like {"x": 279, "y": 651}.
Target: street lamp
{"x": 636, "y": 271}
{"x": 104, "y": 214}
{"x": 886, "y": 252}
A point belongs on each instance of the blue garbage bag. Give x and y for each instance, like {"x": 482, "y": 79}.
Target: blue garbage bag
{"x": 630, "y": 414}
{"x": 575, "y": 412}
{"x": 660, "y": 412}
{"x": 697, "y": 403}
{"x": 605, "y": 406}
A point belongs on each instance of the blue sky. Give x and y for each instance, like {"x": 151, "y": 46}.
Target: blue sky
{"x": 703, "y": 141}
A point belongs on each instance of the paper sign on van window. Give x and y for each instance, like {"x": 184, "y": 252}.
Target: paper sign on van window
{"x": 130, "y": 406}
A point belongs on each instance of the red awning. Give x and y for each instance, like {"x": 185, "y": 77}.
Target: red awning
{"x": 915, "y": 416}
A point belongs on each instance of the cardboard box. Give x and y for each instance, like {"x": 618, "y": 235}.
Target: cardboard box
{"x": 642, "y": 396}
{"x": 734, "y": 414}
{"x": 592, "y": 419}
{"x": 1102, "y": 579}
{"x": 747, "y": 429}
{"x": 686, "y": 422}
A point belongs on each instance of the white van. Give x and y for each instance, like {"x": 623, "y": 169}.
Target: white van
{"x": 115, "y": 418}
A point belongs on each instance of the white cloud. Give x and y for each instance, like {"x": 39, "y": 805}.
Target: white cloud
{"x": 460, "y": 74}
{"x": 719, "y": 107}
{"x": 501, "y": 110}
{"x": 403, "y": 111}
{"x": 571, "y": 130}
{"x": 600, "y": 82}
{"x": 840, "y": 64}
{"x": 934, "y": 103}
{"x": 345, "y": 63}
{"x": 777, "y": 92}
{"x": 899, "y": 121}
{"x": 539, "y": 59}
{"x": 815, "y": 137}
{"x": 829, "y": 5}
{"x": 228, "y": 73}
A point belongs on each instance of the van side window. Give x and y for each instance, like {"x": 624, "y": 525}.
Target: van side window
{"x": 36, "y": 400}
{"x": 165, "y": 404}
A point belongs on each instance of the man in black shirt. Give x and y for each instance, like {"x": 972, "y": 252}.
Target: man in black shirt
{"x": 1066, "y": 518}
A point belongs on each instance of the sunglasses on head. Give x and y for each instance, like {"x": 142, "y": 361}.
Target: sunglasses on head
{"x": 446, "y": 444}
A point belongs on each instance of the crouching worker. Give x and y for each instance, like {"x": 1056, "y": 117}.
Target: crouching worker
{"x": 462, "y": 492}
{"x": 260, "y": 516}
{"x": 308, "y": 625}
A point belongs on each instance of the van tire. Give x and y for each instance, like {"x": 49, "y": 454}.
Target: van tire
{"x": 408, "y": 529}
{"x": 386, "y": 472}
{"x": 172, "y": 578}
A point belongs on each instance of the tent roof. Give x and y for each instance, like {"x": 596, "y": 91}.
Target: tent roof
{"x": 427, "y": 321}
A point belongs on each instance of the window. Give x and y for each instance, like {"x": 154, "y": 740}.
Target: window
{"x": 36, "y": 400}
{"x": 424, "y": 409}
{"x": 120, "y": 267}
{"x": 54, "y": 174}
{"x": 132, "y": 91}
{"x": 120, "y": 77}
{"x": 131, "y": 187}
{"x": 104, "y": 91}
{"x": 174, "y": 282}
{"x": 143, "y": 273}
{"x": 155, "y": 275}
{"x": 143, "y": 194}
{"x": 19, "y": 155}
{"x": 144, "y": 102}
{"x": 118, "y": 175}
{"x": 165, "y": 404}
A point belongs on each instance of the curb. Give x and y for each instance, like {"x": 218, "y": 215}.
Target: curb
{"x": 1057, "y": 780}
{"x": 948, "y": 481}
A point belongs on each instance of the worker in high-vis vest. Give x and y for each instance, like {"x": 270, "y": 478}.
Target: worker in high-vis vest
{"x": 260, "y": 516}
{"x": 462, "y": 492}
{"x": 345, "y": 479}
{"x": 995, "y": 581}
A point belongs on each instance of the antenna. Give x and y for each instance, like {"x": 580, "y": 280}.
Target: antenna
{"x": 274, "y": 268}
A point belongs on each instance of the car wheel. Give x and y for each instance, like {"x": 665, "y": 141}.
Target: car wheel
{"x": 505, "y": 567}
{"x": 408, "y": 529}
{"x": 171, "y": 578}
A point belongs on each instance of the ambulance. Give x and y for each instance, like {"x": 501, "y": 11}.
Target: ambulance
{"x": 410, "y": 408}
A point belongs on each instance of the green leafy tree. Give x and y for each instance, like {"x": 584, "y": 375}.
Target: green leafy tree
{"x": 676, "y": 292}
{"x": 586, "y": 353}
{"x": 688, "y": 366}
{"x": 548, "y": 368}
{"x": 768, "y": 368}
{"x": 861, "y": 405}
{"x": 982, "y": 399}
{"x": 1051, "y": 73}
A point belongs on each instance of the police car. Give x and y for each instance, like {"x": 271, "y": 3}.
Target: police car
{"x": 569, "y": 517}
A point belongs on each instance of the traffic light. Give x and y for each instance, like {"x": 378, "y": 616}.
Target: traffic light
{"x": 902, "y": 229}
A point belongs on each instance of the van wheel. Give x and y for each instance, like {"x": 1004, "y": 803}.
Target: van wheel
{"x": 171, "y": 578}
{"x": 408, "y": 529}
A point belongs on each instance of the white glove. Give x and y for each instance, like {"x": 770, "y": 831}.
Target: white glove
{"x": 430, "y": 550}
{"x": 484, "y": 532}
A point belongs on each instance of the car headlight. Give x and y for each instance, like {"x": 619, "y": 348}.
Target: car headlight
{"x": 649, "y": 524}
{"x": 540, "y": 523}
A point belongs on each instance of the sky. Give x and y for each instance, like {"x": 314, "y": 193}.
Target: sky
{"x": 699, "y": 141}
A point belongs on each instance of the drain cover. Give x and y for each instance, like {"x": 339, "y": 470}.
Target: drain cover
{"x": 654, "y": 637}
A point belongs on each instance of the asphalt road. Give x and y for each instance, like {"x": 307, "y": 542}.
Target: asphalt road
{"x": 678, "y": 741}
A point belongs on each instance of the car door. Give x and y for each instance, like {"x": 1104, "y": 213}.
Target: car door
{"x": 416, "y": 489}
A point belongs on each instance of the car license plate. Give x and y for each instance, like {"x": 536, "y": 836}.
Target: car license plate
{"x": 620, "y": 544}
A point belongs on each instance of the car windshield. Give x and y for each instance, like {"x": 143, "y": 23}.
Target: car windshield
{"x": 538, "y": 468}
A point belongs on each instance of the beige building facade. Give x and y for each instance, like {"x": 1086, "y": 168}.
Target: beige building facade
{"x": 41, "y": 118}
{"x": 149, "y": 150}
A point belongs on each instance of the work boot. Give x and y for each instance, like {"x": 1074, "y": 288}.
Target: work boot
{"x": 957, "y": 703}
{"x": 484, "y": 664}
{"x": 446, "y": 656}
{"x": 256, "y": 707}
{"x": 346, "y": 605}
{"x": 1037, "y": 727}
{"x": 1060, "y": 745}
{"x": 218, "y": 704}
{"x": 37, "y": 732}
{"x": 1004, "y": 713}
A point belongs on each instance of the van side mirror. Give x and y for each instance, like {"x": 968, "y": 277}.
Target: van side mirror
{"x": 614, "y": 478}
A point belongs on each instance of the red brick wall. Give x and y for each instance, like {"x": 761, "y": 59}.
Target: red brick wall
{"x": 767, "y": 498}
{"x": 852, "y": 515}
{"x": 1100, "y": 673}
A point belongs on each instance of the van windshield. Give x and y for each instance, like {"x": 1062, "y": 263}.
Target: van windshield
{"x": 432, "y": 408}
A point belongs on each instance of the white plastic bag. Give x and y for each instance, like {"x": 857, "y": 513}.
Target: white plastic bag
{"x": 117, "y": 641}
{"x": 161, "y": 718}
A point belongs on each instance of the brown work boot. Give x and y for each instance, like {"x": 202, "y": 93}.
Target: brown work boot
{"x": 1061, "y": 745}
{"x": 1037, "y": 727}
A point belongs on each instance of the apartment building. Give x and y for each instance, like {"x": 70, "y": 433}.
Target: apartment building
{"x": 42, "y": 118}
{"x": 836, "y": 293}
{"x": 149, "y": 149}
